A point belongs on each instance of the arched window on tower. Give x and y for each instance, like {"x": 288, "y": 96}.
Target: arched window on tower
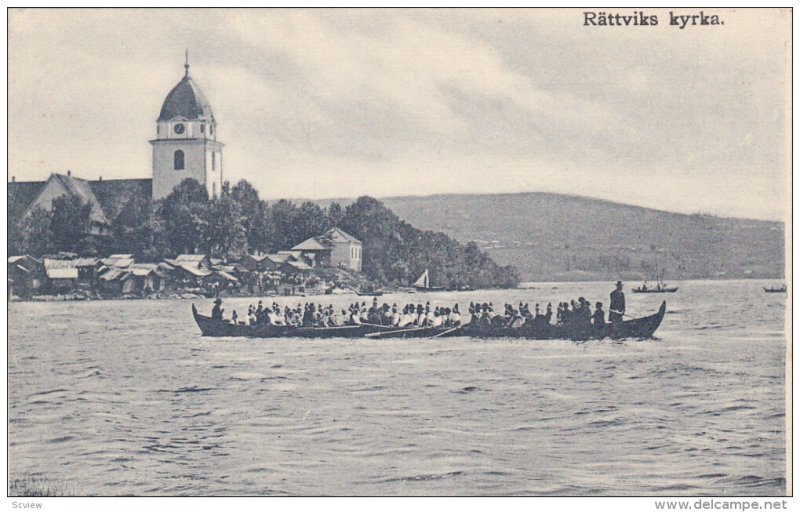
{"x": 178, "y": 161}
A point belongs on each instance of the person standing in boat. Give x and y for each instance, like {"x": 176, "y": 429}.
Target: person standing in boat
{"x": 216, "y": 311}
{"x": 617, "y": 305}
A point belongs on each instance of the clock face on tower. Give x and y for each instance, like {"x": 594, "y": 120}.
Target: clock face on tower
{"x": 179, "y": 128}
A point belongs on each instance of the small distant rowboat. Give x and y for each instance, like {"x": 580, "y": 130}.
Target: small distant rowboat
{"x": 375, "y": 293}
{"x": 660, "y": 287}
{"x": 772, "y": 289}
{"x": 657, "y": 289}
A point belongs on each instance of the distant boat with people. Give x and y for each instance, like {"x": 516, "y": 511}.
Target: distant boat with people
{"x": 773, "y": 289}
{"x": 423, "y": 284}
{"x": 660, "y": 287}
{"x": 369, "y": 292}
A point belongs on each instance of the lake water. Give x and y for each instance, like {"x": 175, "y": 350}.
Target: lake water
{"x": 126, "y": 397}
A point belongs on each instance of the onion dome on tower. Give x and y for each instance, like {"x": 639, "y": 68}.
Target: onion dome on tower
{"x": 187, "y": 101}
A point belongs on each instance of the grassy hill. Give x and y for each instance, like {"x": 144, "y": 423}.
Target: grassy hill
{"x": 560, "y": 237}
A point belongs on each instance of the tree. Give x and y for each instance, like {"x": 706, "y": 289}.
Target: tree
{"x": 395, "y": 251}
{"x": 225, "y": 233}
{"x": 132, "y": 229}
{"x": 183, "y": 212}
{"x": 310, "y": 220}
{"x": 36, "y": 233}
{"x": 70, "y": 224}
{"x": 252, "y": 211}
{"x": 335, "y": 214}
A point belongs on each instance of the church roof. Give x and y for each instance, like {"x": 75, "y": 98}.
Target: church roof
{"x": 116, "y": 197}
{"x": 186, "y": 101}
{"x": 59, "y": 185}
{"x": 20, "y": 195}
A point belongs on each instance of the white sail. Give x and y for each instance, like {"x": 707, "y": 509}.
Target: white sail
{"x": 422, "y": 282}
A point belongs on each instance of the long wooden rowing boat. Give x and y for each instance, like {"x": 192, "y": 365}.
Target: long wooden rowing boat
{"x": 222, "y": 328}
{"x": 639, "y": 328}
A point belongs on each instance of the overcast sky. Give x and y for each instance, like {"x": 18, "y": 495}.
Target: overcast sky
{"x": 339, "y": 103}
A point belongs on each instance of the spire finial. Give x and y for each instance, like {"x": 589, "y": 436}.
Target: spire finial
{"x": 187, "y": 62}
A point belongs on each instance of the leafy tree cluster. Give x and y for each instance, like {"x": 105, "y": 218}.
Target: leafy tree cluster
{"x": 397, "y": 252}
{"x": 238, "y": 221}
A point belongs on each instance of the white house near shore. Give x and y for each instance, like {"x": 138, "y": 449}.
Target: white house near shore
{"x": 334, "y": 248}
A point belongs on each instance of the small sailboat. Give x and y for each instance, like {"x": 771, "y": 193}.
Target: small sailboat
{"x": 423, "y": 284}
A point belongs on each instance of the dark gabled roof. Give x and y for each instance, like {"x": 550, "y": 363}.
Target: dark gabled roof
{"x": 81, "y": 189}
{"x": 116, "y": 196}
{"x": 325, "y": 241}
{"x": 312, "y": 244}
{"x": 20, "y": 195}
{"x": 338, "y": 234}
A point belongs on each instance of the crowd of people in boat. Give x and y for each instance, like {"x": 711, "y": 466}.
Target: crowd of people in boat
{"x": 418, "y": 315}
{"x": 317, "y": 315}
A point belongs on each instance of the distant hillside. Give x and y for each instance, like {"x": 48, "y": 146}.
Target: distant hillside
{"x": 560, "y": 237}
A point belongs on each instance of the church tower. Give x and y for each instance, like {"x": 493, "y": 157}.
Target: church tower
{"x": 186, "y": 143}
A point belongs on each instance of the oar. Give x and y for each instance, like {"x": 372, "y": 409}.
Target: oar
{"x": 378, "y": 325}
{"x": 394, "y": 331}
{"x": 454, "y": 329}
{"x": 623, "y": 314}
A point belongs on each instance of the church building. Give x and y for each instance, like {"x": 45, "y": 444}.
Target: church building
{"x": 185, "y": 146}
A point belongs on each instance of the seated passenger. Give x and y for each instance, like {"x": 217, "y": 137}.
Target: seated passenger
{"x": 599, "y": 316}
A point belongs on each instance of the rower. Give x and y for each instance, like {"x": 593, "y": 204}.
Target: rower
{"x": 420, "y": 318}
{"x": 430, "y": 316}
{"x": 405, "y": 319}
{"x": 584, "y": 311}
{"x": 438, "y": 320}
{"x": 599, "y": 316}
{"x": 475, "y": 314}
{"x": 455, "y": 317}
{"x": 395, "y": 315}
{"x": 485, "y": 321}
